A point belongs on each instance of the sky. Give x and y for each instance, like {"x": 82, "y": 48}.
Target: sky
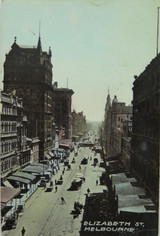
{"x": 96, "y": 44}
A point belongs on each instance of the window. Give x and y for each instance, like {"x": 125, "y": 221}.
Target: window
{"x": 2, "y": 148}
{"x": 2, "y": 166}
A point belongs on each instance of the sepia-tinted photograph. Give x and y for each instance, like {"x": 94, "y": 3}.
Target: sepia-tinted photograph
{"x": 80, "y": 117}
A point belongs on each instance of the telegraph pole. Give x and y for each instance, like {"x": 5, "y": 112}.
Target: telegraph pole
{"x": 67, "y": 82}
{"x": 157, "y": 27}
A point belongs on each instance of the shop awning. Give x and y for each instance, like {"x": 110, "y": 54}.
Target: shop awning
{"x": 7, "y": 184}
{"x": 19, "y": 179}
{"x": 19, "y": 196}
{"x": 5, "y": 209}
{"x": 64, "y": 145}
{"x": 8, "y": 193}
{"x": 41, "y": 165}
{"x": 76, "y": 136}
{"x": 24, "y": 175}
{"x": 60, "y": 150}
{"x": 51, "y": 154}
{"x": 33, "y": 169}
{"x": 48, "y": 156}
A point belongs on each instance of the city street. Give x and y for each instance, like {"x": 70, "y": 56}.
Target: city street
{"x": 46, "y": 215}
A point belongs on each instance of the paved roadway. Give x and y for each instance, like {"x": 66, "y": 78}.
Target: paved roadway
{"x": 45, "y": 215}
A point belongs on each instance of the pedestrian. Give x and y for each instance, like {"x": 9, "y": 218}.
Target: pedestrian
{"x": 62, "y": 199}
{"x": 88, "y": 190}
{"x": 23, "y": 231}
{"x": 63, "y": 172}
{"x": 56, "y": 188}
{"x": 96, "y": 182}
{"x": 55, "y": 181}
{"x": 79, "y": 167}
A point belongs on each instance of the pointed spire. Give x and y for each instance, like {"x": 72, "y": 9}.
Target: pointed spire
{"x": 108, "y": 90}
{"x": 108, "y": 98}
{"x": 39, "y": 47}
{"x": 50, "y": 52}
{"x": 14, "y": 45}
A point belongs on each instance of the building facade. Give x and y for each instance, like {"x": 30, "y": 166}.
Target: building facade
{"x": 28, "y": 72}
{"x": 15, "y": 151}
{"x": 107, "y": 126}
{"x": 146, "y": 127}
{"x": 62, "y": 100}
{"x": 121, "y": 114}
{"x": 117, "y": 124}
{"x": 35, "y": 149}
{"x": 79, "y": 125}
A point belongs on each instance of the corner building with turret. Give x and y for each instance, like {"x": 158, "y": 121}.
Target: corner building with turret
{"x": 28, "y": 72}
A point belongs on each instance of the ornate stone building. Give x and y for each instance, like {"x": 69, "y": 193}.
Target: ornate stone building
{"x": 119, "y": 116}
{"x": 15, "y": 151}
{"x": 146, "y": 127}
{"x": 62, "y": 100}
{"x": 117, "y": 123}
{"x": 28, "y": 71}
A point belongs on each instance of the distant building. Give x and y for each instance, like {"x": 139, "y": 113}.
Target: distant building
{"x": 146, "y": 127}
{"x": 15, "y": 151}
{"x": 28, "y": 72}
{"x": 121, "y": 114}
{"x": 117, "y": 123}
{"x": 62, "y": 100}
{"x": 79, "y": 125}
{"x": 107, "y": 126}
{"x": 35, "y": 149}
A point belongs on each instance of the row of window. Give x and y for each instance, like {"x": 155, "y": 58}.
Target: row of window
{"x": 7, "y": 164}
{"x": 9, "y": 110}
{"x": 129, "y": 117}
{"x": 8, "y": 127}
{"x": 8, "y": 146}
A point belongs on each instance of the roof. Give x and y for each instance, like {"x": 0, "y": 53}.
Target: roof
{"x": 18, "y": 179}
{"x": 24, "y": 175}
{"x": 131, "y": 196}
{"x": 63, "y": 90}
{"x": 8, "y": 193}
